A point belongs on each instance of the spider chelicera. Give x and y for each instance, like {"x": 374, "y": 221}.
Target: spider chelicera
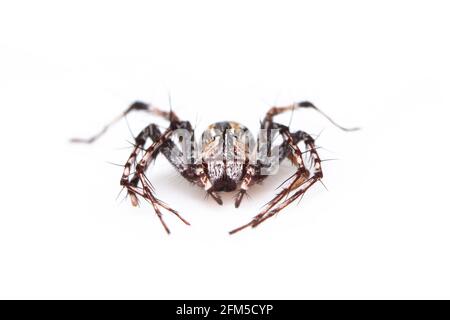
{"x": 227, "y": 161}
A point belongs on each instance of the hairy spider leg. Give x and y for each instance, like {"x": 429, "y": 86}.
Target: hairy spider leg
{"x": 298, "y": 105}
{"x": 147, "y": 191}
{"x": 191, "y": 171}
{"x": 161, "y": 143}
{"x": 300, "y": 176}
{"x": 136, "y": 106}
{"x": 317, "y": 175}
{"x": 170, "y": 150}
{"x": 253, "y": 173}
{"x": 288, "y": 149}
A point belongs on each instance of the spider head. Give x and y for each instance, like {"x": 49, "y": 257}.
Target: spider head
{"x": 225, "y": 153}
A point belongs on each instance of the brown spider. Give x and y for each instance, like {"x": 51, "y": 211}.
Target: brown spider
{"x": 228, "y": 160}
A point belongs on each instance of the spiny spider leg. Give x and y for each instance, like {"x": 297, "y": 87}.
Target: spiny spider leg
{"x": 190, "y": 171}
{"x": 163, "y": 144}
{"x": 317, "y": 175}
{"x": 252, "y": 174}
{"x": 298, "y": 105}
{"x": 300, "y": 181}
{"x": 287, "y": 149}
{"x": 147, "y": 192}
{"x": 140, "y": 192}
{"x": 136, "y": 106}
{"x": 299, "y": 178}
{"x": 169, "y": 149}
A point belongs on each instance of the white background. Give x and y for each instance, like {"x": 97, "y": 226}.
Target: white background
{"x": 382, "y": 229}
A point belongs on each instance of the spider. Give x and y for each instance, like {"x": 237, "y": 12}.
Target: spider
{"x": 211, "y": 167}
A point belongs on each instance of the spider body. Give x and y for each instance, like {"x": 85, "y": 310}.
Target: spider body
{"x": 228, "y": 160}
{"x": 225, "y": 154}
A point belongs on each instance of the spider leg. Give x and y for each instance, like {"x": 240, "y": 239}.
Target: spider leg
{"x": 298, "y": 105}
{"x": 171, "y": 151}
{"x": 288, "y": 149}
{"x": 317, "y": 175}
{"x": 163, "y": 144}
{"x": 146, "y": 191}
{"x": 191, "y": 171}
{"x": 252, "y": 174}
{"x": 136, "y": 106}
{"x": 300, "y": 176}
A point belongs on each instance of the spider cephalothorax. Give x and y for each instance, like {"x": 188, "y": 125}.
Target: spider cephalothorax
{"x": 225, "y": 154}
{"x": 228, "y": 159}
